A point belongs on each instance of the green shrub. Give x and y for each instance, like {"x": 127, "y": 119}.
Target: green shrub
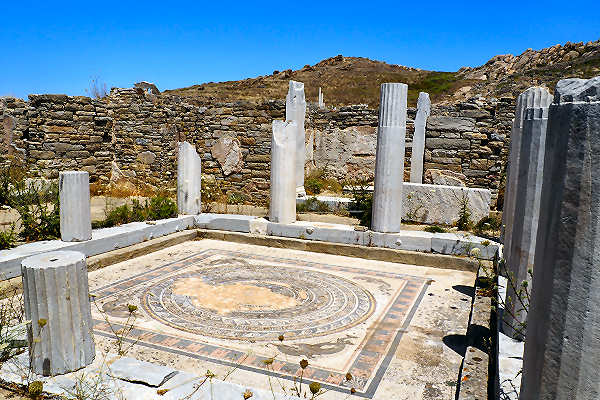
{"x": 158, "y": 207}
{"x": 10, "y": 176}
{"x": 161, "y": 207}
{"x": 317, "y": 181}
{"x": 118, "y": 216}
{"x": 5, "y": 182}
{"x": 38, "y": 209}
{"x": 435, "y": 229}
{"x": 313, "y": 186}
{"x": 362, "y": 203}
{"x": 211, "y": 192}
{"x": 37, "y": 204}
{"x": 8, "y": 238}
{"x": 464, "y": 222}
{"x": 488, "y": 224}
{"x": 312, "y": 204}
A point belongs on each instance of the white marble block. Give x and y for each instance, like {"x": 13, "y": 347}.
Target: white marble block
{"x": 282, "y": 207}
{"x": 532, "y": 97}
{"x": 389, "y": 160}
{"x": 189, "y": 180}
{"x": 526, "y": 216}
{"x": 562, "y": 343}
{"x": 418, "y": 143}
{"x": 56, "y": 297}
{"x": 75, "y": 209}
{"x": 295, "y": 110}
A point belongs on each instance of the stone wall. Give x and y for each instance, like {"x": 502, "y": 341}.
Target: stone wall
{"x": 471, "y": 139}
{"x": 131, "y": 135}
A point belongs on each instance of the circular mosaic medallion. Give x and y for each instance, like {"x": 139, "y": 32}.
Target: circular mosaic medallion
{"x": 257, "y": 302}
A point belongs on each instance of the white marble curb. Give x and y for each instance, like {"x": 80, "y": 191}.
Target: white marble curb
{"x": 108, "y": 239}
{"x": 103, "y": 240}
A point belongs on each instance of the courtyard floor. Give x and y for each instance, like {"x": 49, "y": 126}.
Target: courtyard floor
{"x": 221, "y": 307}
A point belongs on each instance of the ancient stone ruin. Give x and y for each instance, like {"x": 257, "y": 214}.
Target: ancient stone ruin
{"x": 410, "y": 309}
{"x": 116, "y": 141}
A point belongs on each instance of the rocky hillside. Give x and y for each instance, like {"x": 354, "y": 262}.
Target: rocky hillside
{"x": 355, "y": 80}
{"x": 508, "y": 75}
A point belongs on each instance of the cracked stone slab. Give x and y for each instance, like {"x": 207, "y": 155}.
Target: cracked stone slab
{"x": 135, "y": 371}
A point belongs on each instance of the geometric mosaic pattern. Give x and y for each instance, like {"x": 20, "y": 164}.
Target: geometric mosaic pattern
{"x": 315, "y": 303}
{"x": 226, "y": 306}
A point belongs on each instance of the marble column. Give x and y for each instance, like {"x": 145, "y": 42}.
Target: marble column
{"x": 562, "y": 345}
{"x": 75, "y": 209}
{"x": 282, "y": 207}
{"x": 321, "y": 102}
{"x": 56, "y": 299}
{"x": 527, "y": 99}
{"x": 418, "y": 143}
{"x": 389, "y": 158}
{"x": 526, "y": 216}
{"x": 189, "y": 180}
{"x": 295, "y": 110}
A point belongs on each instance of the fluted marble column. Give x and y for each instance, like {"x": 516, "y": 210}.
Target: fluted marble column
{"x": 530, "y": 98}
{"x": 418, "y": 143}
{"x": 189, "y": 180}
{"x": 389, "y": 161}
{"x": 295, "y": 110}
{"x": 526, "y": 215}
{"x": 56, "y": 298}
{"x": 562, "y": 345}
{"x": 282, "y": 207}
{"x": 75, "y": 209}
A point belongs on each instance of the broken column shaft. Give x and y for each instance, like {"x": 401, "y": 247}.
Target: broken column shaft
{"x": 295, "y": 110}
{"x": 418, "y": 142}
{"x": 75, "y": 209}
{"x": 189, "y": 180}
{"x": 389, "y": 161}
{"x": 56, "y": 298}
{"x": 282, "y": 207}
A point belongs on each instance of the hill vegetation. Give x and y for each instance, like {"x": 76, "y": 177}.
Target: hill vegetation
{"x": 355, "y": 80}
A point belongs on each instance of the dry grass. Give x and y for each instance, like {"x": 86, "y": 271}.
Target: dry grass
{"x": 126, "y": 189}
{"x": 355, "y": 80}
{"x": 344, "y": 81}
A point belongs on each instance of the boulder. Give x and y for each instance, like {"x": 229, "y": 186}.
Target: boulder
{"x": 228, "y": 153}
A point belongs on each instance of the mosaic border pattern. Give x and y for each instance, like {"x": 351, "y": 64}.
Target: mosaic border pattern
{"x": 374, "y": 356}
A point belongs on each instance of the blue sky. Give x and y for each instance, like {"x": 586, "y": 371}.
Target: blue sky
{"x": 57, "y": 47}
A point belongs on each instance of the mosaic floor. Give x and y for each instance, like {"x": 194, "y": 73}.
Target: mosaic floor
{"x": 232, "y": 307}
